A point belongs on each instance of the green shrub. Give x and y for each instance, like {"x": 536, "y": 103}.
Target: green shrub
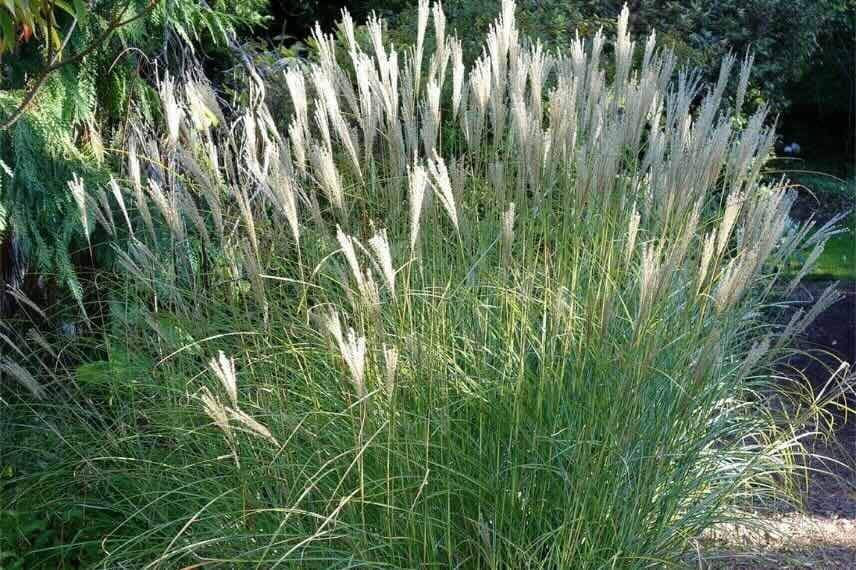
{"x": 783, "y": 34}
{"x": 80, "y": 111}
{"x": 516, "y": 328}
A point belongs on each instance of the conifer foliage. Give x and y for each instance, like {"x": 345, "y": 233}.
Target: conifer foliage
{"x": 74, "y": 72}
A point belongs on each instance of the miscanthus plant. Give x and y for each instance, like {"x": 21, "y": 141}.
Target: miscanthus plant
{"x": 498, "y": 317}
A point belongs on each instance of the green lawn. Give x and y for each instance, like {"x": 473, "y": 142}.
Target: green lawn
{"x": 831, "y": 195}
{"x": 838, "y": 260}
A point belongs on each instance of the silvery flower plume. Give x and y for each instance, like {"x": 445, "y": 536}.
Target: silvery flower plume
{"x": 352, "y": 349}
{"x": 173, "y": 112}
{"x": 443, "y": 187}
{"x": 390, "y": 358}
{"x": 224, "y": 369}
{"x": 418, "y": 180}
{"x": 379, "y": 244}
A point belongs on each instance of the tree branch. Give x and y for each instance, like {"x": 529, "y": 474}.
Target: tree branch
{"x": 115, "y": 24}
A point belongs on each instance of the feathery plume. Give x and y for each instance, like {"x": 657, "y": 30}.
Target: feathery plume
{"x": 324, "y": 85}
{"x": 375, "y": 29}
{"x": 365, "y": 281}
{"x": 623, "y": 49}
{"x": 540, "y": 64}
{"x": 354, "y": 354}
{"x": 323, "y": 124}
{"x": 706, "y": 256}
{"x": 418, "y": 180}
{"x": 346, "y": 242}
{"x": 286, "y": 190}
{"x": 801, "y": 319}
{"x": 103, "y": 210}
{"x": 168, "y": 210}
{"x": 480, "y": 89}
{"x": 133, "y": 162}
{"x": 649, "y": 276}
{"x": 431, "y": 117}
{"x": 439, "y": 27}
{"x": 632, "y": 231}
{"x": 333, "y": 325}
{"x": 117, "y": 195}
{"x": 251, "y": 424}
{"x": 187, "y": 206}
{"x": 217, "y": 412}
{"x": 346, "y": 24}
{"x": 328, "y": 176}
{"x": 75, "y": 185}
{"x": 390, "y": 358}
{"x": 380, "y": 246}
{"x": 23, "y": 377}
{"x": 508, "y": 231}
{"x": 732, "y": 208}
{"x": 457, "y": 74}
{"x": 248, "y": 218}
{"x": 326, "y": 47}
{"x": 735, "y": 280}
{"x": 442, "y": 186}
{"x": 368, "y": 115}
{"x": 422, "y": 14}
{"x": 297, "y": 144}
{"x": 172, "y": 111}
{"x": 351, "y": 348}
{"x": 809, "y": 264}
{"x": 743, "y": 83}
{"x": 199, "y": 100}
{"x": 224, "y": 369}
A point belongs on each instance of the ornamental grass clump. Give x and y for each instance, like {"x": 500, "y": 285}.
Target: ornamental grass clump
{"x": 504, "y": 317}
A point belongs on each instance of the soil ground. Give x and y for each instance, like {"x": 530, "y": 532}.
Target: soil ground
{"x": 823, "y": 534}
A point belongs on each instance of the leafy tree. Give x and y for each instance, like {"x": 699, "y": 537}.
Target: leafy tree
{"x": 783, "y": 34}
{"x": 828, "y": 89}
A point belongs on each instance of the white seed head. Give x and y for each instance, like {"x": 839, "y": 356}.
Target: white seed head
{"x": 117, "y": 195}
{"x": 224, "y": 369}
{"x": 354, "y": 353}
{"x": 352, "y": 350}
{"x": 75, "y": 185}
{"x": 418, "y": 180}
{"x": 380, "y": 246}
{"x": 23, "y": 377}
{"x": 390, "y": 358}
{"x": 346, "y": 242}
{"x": 732, "y": 209}
{"x": 706, "y": 256}
{"x": 328, "y": 176}
{"x": 632, "y": 232}
{"x": 508, "y": 229}
{"x": 442, "y": 185}
{"x": 347, "y": 25}
{"x": 216, "y": 411}
{"x": 133, "y": 161}
{"x": 457, "y": 75}
{"x": 172, "y": 111}
{"x": 251, "y": 424}
{"x": 743, "y": 83}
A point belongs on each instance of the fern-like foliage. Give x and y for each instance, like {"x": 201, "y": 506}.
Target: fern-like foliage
{"x": 81, "y": 111}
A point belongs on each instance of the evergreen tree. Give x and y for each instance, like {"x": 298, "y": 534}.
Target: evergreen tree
{"x": 72, "y": 72}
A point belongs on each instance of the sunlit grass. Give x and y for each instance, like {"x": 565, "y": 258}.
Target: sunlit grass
{"x": 839, "y": 256}
{"x": 534, "y": 344}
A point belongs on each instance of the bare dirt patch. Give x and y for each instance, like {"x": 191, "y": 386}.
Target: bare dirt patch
{"x": 823, "y": 534}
